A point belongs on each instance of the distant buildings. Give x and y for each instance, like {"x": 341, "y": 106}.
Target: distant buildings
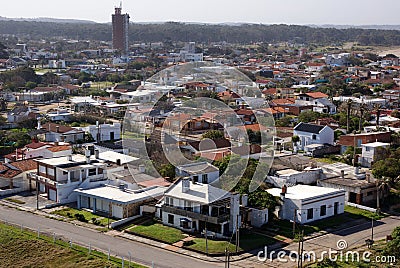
{"x": 120, "y": 32}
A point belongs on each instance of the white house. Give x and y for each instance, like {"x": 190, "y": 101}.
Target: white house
{"x": 304, "y": 203}
{"x": 313, "y": 134}
{"x": 104, "y": 132}
{"x": 319, "y": 101}
{"x": 58, "y": 177}
{"x": 370, "y": 151}
{"x": 117, "y": 201}
{"x": 196, "y": 207}
{"x": 202, "y": 172}
{"x": 53, "y": 132}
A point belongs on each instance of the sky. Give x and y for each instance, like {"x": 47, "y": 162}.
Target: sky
{"x": 340, "y": 12}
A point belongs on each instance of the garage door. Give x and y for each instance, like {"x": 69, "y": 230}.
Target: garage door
{"x": 52, "y": 195}
{"x": 117, "y": 212}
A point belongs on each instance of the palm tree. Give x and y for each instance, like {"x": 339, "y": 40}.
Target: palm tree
{"x": 348, "y": 105}
{"x": 377, "y": 108}
{"x": 362, "y": 109}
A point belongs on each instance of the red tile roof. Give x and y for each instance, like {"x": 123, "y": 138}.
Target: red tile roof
{"x": 59, "y": 148}
{"x": 25, "y": 165}
{"x": 317, "y": 95}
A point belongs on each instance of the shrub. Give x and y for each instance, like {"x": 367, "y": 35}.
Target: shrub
{"x": 80, "y": 217}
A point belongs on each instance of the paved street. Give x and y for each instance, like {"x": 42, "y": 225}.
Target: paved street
{"x": 145, "y": 254}
{"x": 140, "y": 253}
{"x": 353, "y": 236}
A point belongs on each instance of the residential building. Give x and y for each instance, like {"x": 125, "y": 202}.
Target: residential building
{"x": 305, "y": 203}
{"x": 319, "y": 101}
{"x": 313, "y": 134}
{"x": 59, "y": 177}
{"x": 196, "y": 207}
{"x": 360, "y": 187}
{"x": 21, "y": 113}
{"x": 201, "y": 172}
{"x": 120, "y": 31}
{"x": 117, "y": 201}
{"x": 355, "y": 140}
{"x": 51, "y": 132}
{"x": 104, "y": 132}
{"x": 372, "y": 152}
{"x": 13, "y": 176}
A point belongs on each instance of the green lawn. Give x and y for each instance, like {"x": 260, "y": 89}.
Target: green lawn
{"x": 13, "y": 200}
{"x": 247, "y": 242}
{"x": 24, "y": 249}
{"x": 158, "y": 231}
{"x": 88, "y": 216}
{"x": 357, "y": 213}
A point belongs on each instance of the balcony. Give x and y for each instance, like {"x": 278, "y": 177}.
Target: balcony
{"x": 193, "y": 215}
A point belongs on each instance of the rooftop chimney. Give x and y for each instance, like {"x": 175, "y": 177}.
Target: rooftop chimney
{"x": 57, "y": 129}
{"x": 284, "y": 189}
{"x": 142, "y": 168}
{"x": 185, "y": 185}
{"x": 342, "y": 173}
{"x": 122, "y": 187}
{"x": 69, "y": 157}
{"x": 96, "y": 154}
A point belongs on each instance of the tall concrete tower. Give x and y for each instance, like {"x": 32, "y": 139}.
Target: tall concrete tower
{"x": 120, "y": 33}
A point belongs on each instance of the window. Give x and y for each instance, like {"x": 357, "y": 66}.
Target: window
{"x": 314, "y": 137}
{"x": 196, "y": 178}
{"x": 370, "y": 193}
{"x": 367, "y": 149}
{"x": 92, "y": 172}
{"x": 310, "y": 213}
{"x": 205, "y": 178}
{"x": 170, "y": 219}
{"x": 323, "y": 210}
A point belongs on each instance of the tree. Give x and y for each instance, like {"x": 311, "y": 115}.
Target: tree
{"x": 284, "y": 122}
{"x": 387, "y": 168}
{"x": 262, "y": 199}
{"x": 168, "y": 171}
{"x": 308, "y": 116}
{"x": 393, "y": 247}
{"x": 213, "y": 134}
{"x": 377, "y": 108}
{"x": 349, "y": 107}
{"x": 395, "y": 113}
{"x": 295, "y": 139}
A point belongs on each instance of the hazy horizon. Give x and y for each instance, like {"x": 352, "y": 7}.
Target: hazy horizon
{"x": 305, "y": 12}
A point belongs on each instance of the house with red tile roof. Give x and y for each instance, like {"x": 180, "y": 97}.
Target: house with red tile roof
{"x": 14, "y": 176}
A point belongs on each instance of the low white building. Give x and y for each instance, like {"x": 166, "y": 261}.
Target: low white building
{"x": 117, "y": 201}
{"x": 104, "y": 132}
{"x": 304, "y": 203}
{"x": 313, "y": 134}
{"x": 372, "y": 151}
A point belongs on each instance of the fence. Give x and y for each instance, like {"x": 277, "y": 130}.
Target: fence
{"x": 124, "y": 261}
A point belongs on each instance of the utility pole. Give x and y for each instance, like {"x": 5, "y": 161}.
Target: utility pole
{"x": 300, "y": 250}
{"x": 294, "y": 222}
{"x": 205, "y": 233}
{"x": 372, "y": 229}
{"x": 237, "y": 233}
{"x": 37, "y": 193}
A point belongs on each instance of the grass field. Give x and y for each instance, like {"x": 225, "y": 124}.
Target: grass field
{"x": 247, "y": 242}
{"x": 23, "y": 249}
{"x": 158, "y": 231}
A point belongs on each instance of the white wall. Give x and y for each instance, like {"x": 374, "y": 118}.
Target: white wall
{"x": 289, "y": 206}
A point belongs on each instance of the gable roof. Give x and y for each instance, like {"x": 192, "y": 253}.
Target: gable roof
{"x": 317, "y": 95}
{"x": 311, "y": 128}
{"x": 51, "y": 127}
{"x": 208, "y": 144}
{"x": 25, "y": 165}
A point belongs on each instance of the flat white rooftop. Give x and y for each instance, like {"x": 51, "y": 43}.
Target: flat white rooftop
{"x": 301, "y": 192}
{"x": 116, "y": 195}
{"x": 376, "y": 144}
